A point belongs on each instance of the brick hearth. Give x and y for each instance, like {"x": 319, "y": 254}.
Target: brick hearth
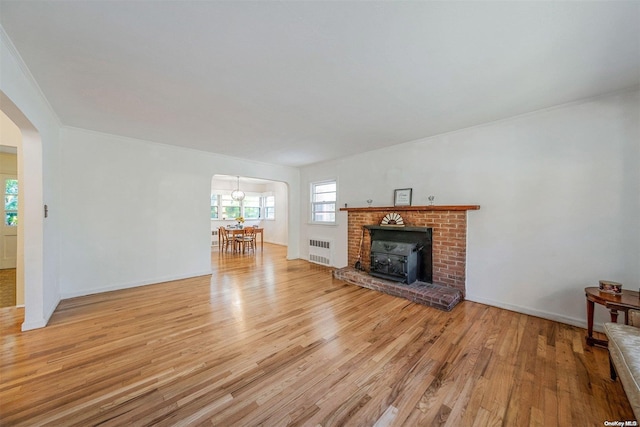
{"x": 437, "y": 296}
{"x": 449, "y": 225}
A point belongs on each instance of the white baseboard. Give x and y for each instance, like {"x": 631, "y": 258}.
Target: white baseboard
{"x": 41, "y": 323}
{"x": 117, "y": 287}
{"x": 34, "y": 324}
{"x": 580, "y": 323}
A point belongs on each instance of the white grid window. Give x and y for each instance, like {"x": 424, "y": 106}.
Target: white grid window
{"x": 269, "y": 203}
{"x": 323, "y": 202}
{"x": 253, "y": 207}
{"x": 231, "y": 209}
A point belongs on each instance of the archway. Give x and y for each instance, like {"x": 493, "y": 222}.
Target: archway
{"x": 268, "y": 207}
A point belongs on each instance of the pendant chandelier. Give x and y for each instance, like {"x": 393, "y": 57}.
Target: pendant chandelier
{"x": 237, "y": 194}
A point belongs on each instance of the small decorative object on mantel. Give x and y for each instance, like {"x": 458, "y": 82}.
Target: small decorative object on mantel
{"x": 393, "y": 219}
{"x": 431, "y": 199}
{"x": 369, "y": 201}
{"x": 402, "y": 197}
{"x": 609, "y": 287}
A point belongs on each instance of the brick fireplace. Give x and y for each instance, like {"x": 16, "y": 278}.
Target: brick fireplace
{"x": 449, "y": 225}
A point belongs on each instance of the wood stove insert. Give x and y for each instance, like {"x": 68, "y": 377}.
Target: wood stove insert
{"x": 402, "y": 254}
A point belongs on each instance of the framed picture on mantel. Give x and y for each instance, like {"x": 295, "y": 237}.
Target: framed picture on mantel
{"x": 402, "y": 197}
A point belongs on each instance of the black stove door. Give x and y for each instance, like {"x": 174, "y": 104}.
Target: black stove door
{"x": 388, "y": 266}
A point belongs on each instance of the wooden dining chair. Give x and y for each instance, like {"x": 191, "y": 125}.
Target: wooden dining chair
{"x": 247, "y": 240}
{"x": 226, "y": 240}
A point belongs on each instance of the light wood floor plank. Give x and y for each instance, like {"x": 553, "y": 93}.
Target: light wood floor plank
{"x": 266, "y": 341}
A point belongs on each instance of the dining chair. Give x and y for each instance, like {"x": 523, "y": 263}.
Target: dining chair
{"x": 247, "y": 240}
{"x": 226, "y": 240}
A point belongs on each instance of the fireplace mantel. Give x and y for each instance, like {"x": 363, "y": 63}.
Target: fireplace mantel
{"x": 414, "y": 208}
{"x": 400, "y": 228}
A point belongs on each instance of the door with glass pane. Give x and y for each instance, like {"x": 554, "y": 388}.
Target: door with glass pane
{"x": 9, "y": 235}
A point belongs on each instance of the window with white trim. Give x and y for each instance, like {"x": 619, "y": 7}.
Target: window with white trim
{"x": 255, "y": 206}
{"x": 324, "y": 196}
{"x": 11, "y": 202}
{"x": 230, "y": 208}
{"x": 215, "y": 207}
{"x": 269, "y": 203}
{"x": 251, "y": 207}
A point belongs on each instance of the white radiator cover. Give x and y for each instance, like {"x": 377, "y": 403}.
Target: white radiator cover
{"x": 321, "y": 251}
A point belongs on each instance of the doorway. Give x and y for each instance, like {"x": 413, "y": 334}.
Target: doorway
{"x": 265, "y": 204}
{"x": 9, "y": 214}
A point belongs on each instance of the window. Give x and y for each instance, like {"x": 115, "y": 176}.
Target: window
{"x": 269, "y": 204}
{"x": 230, "y": 208}
{"x": 214, "y": 206}
{"x": 323, "y": 201}
{"x": 253, "y": 207}
{"x": 11, "y": 202}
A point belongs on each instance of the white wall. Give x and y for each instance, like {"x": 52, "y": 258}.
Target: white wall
{"x": 24, "y": 105}
{"x": 559, "y": 192}
{"x": 136, "y": 212}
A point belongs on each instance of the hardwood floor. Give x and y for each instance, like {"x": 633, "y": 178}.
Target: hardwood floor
{"x": 265, "y": 341}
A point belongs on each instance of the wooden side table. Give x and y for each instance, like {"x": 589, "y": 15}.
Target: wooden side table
{"x": 625, "y": 302}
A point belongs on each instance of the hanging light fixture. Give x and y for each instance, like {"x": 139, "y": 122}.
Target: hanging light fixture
{"x": 237, "y": 194}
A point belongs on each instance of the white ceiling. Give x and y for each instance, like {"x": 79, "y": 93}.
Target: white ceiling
{"x": 299, "y": 82}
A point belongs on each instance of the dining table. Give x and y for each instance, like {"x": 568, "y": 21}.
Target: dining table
{"x": 235, "y": 231}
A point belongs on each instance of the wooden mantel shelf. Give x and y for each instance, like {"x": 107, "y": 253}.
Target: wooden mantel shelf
{"x": 414, "y": 208}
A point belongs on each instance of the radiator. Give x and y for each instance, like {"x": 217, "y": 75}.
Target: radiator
{"x": 321, "y": 251}
{"x": 214, "y": 237}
